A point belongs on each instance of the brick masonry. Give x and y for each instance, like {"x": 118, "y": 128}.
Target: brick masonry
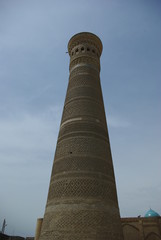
{"x": 141, "y": 228}
{"x": 82, "y": 199}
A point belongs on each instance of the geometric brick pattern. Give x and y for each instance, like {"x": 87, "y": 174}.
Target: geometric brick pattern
{"x": 82, "y": 199}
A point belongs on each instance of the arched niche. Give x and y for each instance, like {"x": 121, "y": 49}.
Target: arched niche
{"x": 130, "y": 232}
{"x": 152, "y": 236}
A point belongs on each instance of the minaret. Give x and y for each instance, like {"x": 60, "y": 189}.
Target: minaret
{"x": 82, "y": 200}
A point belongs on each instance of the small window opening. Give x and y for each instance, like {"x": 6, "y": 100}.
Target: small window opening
{"x": 88, "y": 49}
{"x": 93, "y": 50}
{"x": 82, "y": 49}
{"x": 76, "y": 50}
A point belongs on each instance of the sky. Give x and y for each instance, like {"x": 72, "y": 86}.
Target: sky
{"x": 34, "y": 71}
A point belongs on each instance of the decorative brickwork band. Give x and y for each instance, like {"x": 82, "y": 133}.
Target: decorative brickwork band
{"x": 82, "y": 200}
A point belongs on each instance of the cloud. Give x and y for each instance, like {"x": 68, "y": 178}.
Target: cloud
{"x": 118, "y": 122}
{"x": 139, "y": 198}
{"x": 34, "y": 37}
{"x": 27, "y": 145}
{"x": 28, "y": 133}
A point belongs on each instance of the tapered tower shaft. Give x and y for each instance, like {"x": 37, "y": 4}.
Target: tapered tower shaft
{"x": 82, "y": 200}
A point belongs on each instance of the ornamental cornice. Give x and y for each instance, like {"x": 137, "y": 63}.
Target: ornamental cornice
{"x": 85, "y": 60}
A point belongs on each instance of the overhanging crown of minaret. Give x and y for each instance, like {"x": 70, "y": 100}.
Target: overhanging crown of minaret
{"x": 83, "y": 46}
{"x": 85, "y": 38}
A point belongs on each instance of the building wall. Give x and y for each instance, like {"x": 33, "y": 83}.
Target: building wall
{"x": 141, "y": 228}
{"x": 6, "y": 237}
{"x": 133, "y": 229}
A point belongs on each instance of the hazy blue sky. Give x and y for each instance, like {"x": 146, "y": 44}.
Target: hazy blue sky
{"x": 34, "y": 76}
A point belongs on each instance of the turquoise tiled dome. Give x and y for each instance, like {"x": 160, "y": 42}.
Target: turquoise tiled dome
{"x": 151, "y": 213}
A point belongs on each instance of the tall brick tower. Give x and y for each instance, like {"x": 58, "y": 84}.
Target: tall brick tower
{"x": 82, "y": 200}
